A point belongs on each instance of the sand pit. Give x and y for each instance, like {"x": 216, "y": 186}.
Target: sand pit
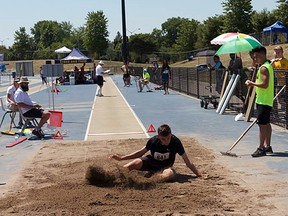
{"x": 78, "y": 178}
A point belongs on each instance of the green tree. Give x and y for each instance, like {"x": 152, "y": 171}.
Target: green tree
{"x": 96, "y": 33}
{"x": 187, "y": 36}
{"x": 211, "y": 28}
{"x": 141, "y": 44}
{"x": 157, "y": 36}
{"x": 262, "y": 19}
{"x": 237, "y": 16}
{"x": 23, "y": 45}
{"x": 170, "y": 31}
{"x": 47, "y": 32}
{"x": 281, "y": 11}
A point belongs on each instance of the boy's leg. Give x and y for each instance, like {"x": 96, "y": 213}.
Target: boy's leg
{"x": 168, "y": 174}
{"x": 134, "y": 165}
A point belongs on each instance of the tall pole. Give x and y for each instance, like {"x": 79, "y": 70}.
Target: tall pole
{"x": 124, "y": 46}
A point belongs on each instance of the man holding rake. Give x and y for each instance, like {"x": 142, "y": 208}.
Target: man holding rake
{"x": 264, "y": 100}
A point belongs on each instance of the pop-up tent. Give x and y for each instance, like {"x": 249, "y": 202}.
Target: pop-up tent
{"x": 63, "y": 50}
{"x": 75, "y": 56}
{"x": 274, "y": 29}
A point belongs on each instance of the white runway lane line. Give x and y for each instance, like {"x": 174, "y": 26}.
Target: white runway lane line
{"x": 117, "y": 133}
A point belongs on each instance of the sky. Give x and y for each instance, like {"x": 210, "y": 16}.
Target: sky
{"x": 142, "y": 16}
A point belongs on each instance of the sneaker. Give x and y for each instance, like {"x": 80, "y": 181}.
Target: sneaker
{"x": 259, "y": 153}
{"x": 37, "y": 133}
{"x": 268, "y": 150}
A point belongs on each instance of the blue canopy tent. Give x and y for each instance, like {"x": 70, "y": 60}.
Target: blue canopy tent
{"x": 274, "y": 29}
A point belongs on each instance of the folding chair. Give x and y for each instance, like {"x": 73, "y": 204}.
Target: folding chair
{"x": 28, "y": 121}
{"x": 7, "y": 111}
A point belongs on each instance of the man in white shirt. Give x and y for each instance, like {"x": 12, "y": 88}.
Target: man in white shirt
{"x": 99, "y": 78}
{"x": 10, "y": 102}
{"x": 28, "y": 108}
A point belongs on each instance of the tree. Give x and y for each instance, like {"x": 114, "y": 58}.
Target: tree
{"x": 141, "y": 44}
{"x": 237, "y": 16}
{"x": 211, "y": 28}
{"x": 187, "y": 35}
{"x": 262, "y": 19}
{"x": 170, "y": 31}
{"x": 281, "y": 11}
{"x": 22, "y": 44}
{"x": 47, "y": 32}
{"x": 96, "y": 33}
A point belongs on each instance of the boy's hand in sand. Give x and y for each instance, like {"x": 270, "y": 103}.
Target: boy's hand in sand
{"x": 116, "y": 157}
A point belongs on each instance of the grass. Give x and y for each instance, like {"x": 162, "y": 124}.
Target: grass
{"x": 225, "y": 58}
{"x": 198, "y": 60}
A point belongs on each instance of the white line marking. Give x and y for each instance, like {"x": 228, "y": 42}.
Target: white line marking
{"x": 119, "y": 133}
{"x": 134, "y": 114}
{"x": 90, "y": 118}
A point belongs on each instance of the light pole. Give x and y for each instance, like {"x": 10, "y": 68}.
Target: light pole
{"x": 2, "y": 41}
{"x": 131, "y": 32}
{"x": 124, "y": 46}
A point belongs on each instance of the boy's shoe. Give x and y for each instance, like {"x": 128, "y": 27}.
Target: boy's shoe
{"x": 259, "y": 153}
{"x": 268, "y": 150}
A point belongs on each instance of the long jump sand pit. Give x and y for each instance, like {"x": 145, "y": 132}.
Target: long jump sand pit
{"x": 55, "y": 182}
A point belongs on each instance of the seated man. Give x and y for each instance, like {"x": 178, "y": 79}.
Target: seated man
{"x": 10, "y": 102}
{"x": 28, "y": 108}
{"x": 145, "y": 81}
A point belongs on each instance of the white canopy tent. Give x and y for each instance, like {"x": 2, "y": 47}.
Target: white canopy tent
{"x": 63, "y": 50}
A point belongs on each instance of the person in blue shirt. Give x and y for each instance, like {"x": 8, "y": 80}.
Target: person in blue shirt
{"x": 219, "y": 68}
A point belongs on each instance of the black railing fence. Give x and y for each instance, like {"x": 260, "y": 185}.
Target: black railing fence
{"x": 202, "y": 82}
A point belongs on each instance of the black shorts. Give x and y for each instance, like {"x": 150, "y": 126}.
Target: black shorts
{"x": 99, "y": 80}
{"x": 263, "y": 114}
{"x": 125, "y": 76}
{"x": 34, "y": 113}
{"x": 150, "y": 164}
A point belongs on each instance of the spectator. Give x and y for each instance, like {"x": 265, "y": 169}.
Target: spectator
{"x": 126, "y": 75}
{"x": 264, "y": 100}
{"x": 163, "y": 149}
{"x": 280, "y": 63}
{"x": 166, "y": 75}
{"x": 10, "y": 101}
{"x": 219, "y": 68}
{"x": 145, "y": 81}
{"x": 44, "y": 79}
{"x": 29, "y": 108}
{"x": 236, "y": 67}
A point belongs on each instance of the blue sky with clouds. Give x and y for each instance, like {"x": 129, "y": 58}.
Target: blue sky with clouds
{"x": 146, "y": 15}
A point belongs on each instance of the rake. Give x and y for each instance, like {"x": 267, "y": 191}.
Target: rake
{"x": 228, "y": 153}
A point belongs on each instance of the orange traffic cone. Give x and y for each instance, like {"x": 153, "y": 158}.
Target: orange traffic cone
{"x": 151, "y": 129}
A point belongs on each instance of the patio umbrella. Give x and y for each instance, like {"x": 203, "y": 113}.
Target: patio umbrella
{"x": 223, "y": 38}
{"x": 238, "y": 45}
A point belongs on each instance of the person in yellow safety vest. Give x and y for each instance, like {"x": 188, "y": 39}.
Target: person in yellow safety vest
{"x": 264, "y": 85}
{"x": 145, "y": 81}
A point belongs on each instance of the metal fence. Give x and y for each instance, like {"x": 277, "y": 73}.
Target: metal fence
{"x": 201, "y": 82}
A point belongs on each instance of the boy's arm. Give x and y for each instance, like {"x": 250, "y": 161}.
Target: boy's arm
{"x": 190, "y": 165}
{"x": 133, "y": 155}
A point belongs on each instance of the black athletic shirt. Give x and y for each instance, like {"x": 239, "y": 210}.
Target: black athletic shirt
{"x": 165, "y": 155}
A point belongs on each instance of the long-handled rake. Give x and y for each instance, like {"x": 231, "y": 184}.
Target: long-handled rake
{"x": 228, "y": 153}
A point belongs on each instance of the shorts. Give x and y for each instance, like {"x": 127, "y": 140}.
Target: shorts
{"x": 263, "y": 114}
{"x": 125, "y": 76}
{"x": 150, "y": 164}
{"x": 34, "y": 113}
{"x": 99, "y": 80}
